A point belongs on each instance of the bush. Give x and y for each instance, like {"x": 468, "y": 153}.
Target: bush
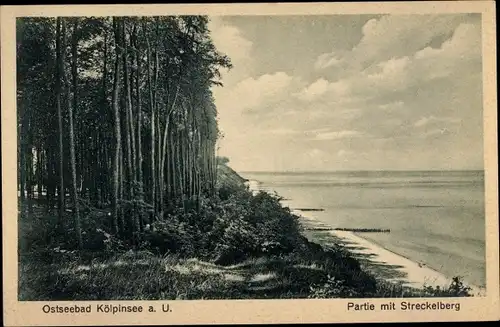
{"x": 332, "y": 288}
{"x": 457, "y": 288}
{"x": 170, "y": 236}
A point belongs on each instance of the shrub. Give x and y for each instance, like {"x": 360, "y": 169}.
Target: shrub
{"x": 332, "y": 288}
{"x": 239, "y": 241}
{"x": 457, "y": 288}
{"x": 170, "y": 236}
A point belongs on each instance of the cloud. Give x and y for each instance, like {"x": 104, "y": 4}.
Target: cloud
{"x": 465, "y": 43}
{"x": 384, "y": 77}
{"x": 320, "y": 87}
{"x": 424, "y": 121}
{"x": 326, "y": 60}
{"x": 461, "y": 52}
{"x": 395, "y": 105}
{"x": 282, "y": 131}
{"x": 264, "y": 95}
{"x": 318, "y": 156}
{"x": 390, "y": 75}
{"x": 401, "y": 35}
{"x": 230, "y": 40}
{"x": 436, "y": 132}
{"x": 314, "y": 90}
{"x": 391, "y": 36}
{"x": 343, "y": 153}
{"x": 458, "y": 54}
{"x": 335, "y": 135}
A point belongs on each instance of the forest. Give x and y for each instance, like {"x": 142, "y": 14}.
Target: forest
{"x": 121, "y": 192}
{"x": 117, "y": 112}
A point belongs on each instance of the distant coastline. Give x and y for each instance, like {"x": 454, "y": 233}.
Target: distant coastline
{"x": 285, "y": 172}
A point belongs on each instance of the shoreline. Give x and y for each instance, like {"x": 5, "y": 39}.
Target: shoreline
{"x": 374, "y": 256}
{"x": 475, "y": 287}
{"x": 383, "y": 263}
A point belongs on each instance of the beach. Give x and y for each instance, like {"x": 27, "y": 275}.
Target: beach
{"x": 416, "y": 252}
{"x": 382, "y": 263}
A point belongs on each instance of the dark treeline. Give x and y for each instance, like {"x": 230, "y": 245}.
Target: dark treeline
{"x": 116, "y": 114}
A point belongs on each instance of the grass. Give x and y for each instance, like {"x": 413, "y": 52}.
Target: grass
{"x": 144, "y": 276}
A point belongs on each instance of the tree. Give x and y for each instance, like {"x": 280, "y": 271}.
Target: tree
{"x": 60, "y": 46}
{"x": 116, "y": 110}
{"x": 74, "y": 54}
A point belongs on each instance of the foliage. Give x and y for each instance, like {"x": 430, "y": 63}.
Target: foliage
{"x": 332, "y": 288}
{"x": 457, "y": 288}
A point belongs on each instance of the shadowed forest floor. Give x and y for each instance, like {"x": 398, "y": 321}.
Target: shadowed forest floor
{"x": 127, "y": 277}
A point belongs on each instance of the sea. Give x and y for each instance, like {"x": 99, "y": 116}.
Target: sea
{"x": 434, "y": 217}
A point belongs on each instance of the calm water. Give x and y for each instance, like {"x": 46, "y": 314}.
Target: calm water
{"x": 435, "y": 217}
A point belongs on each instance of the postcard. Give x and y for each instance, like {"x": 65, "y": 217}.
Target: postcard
{"x": 249, "y": 163}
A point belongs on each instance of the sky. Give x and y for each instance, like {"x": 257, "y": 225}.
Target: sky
{"x": 350, "y": 92}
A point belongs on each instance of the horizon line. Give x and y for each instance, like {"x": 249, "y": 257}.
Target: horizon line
{"x": 359, "y": 170}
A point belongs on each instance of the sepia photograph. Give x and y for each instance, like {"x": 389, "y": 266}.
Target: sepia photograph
{"x": 168, "y": 156}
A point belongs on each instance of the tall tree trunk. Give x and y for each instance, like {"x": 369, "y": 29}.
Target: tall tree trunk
{"x": 129, "y": 87}
{"x": 158, "y": 160}
{"x": 152, "y": 115}
{"x": 128, "y": 111}
{"x": 139, "y": 113}
{"x": 39, "y": 171}
{"x": 74, "y": 45}
{"x": 120, "y": 194}
{"x": 103, "y": 182}
{"x": 156, "y": 103}
{"x": 118, "y": 137}
{"x": 60, "y": 68}
{"x": 128, "y": 80}
{"x": 49, "y": 182}
{"x": 29, "y": 179}
{"x": 164, "y": 143}
{"x": 21, "y": 135}
{"x": 172, "y": 165}
{"x": 22, "y": 169}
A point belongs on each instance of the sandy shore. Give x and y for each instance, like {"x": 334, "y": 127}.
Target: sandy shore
{"x": 383, "y": 263}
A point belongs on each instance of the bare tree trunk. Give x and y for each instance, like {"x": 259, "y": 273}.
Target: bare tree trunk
{"x": 74, "y": 71}
{"x": 118, "y": 137}
{"x": 120, "y": 194}
{"x": 155, "y": 104}
{"x": 21, "y": 135}
{"x": 29, "y": 179}
{"x": 128, "y": 112}
{"x": 173, "y": 165}
{"x": 104, "y": 155}
{"x": 22, "y": 169}
{"x": 164, "y": 143}
{"x": 152, "y": 113}
{"x": 39, "y": 171}
{"x": 128, "y": 145}
{"x": 139, "y": 114}
{"x": 60, "y": 62}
